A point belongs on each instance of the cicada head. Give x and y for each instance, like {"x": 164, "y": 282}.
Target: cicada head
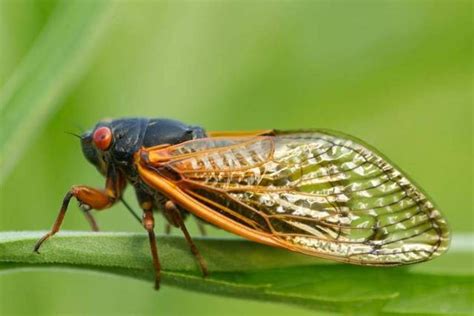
{"x": 92, "y": 154}
{"x": 114, "y": 142}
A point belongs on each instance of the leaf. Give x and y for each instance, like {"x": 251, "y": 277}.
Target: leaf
{"x": 243, "y": 269}
{"x": 55, "y": 63}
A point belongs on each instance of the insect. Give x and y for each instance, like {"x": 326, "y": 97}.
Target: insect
{"x": 316, "y": 192}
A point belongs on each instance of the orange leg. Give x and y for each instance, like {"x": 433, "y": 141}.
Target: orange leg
{"x": 149, "y": 224}
{"x": 171, "y": 208}
{"x": 93, "y": 198}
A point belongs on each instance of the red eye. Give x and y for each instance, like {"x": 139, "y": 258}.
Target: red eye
{"x": 102, "y": 138}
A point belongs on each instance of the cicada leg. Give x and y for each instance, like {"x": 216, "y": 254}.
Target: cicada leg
{"x": 174, "y": 213}
{"x": 167, "y": 228}
{"x": 149, "y": 224}
{"x": 57, "y": 222}
{"x": 201, "y": 227}
{"x": 93, "y": 198}
{"x": 148, "y": 221}
{"x": 91, "y": 220}
{"x": 89, "y": 198}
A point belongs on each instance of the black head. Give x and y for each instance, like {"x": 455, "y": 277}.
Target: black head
{"x": 114, "y": 142}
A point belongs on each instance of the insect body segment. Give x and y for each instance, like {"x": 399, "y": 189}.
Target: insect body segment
{"x": 315, "y": 192}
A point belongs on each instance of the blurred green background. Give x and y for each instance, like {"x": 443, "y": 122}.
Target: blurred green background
{"x": 397, "y": 74}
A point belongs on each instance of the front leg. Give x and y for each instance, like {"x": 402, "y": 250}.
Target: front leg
{"x": 91, "y": 198}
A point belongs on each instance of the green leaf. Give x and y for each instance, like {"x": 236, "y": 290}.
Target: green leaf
{"x": 244, "y": 269}
{"x": 56, "y": 62}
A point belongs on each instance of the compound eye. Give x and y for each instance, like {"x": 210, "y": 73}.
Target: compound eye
{"x": 102, "y": 138}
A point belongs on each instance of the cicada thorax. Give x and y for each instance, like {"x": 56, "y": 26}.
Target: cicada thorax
{"x": 160, "y": 133}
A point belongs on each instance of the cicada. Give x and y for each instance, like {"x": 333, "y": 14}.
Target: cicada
{"x": 316, "y": 192}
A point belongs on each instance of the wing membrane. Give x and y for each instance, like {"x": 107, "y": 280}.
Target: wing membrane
{"x": 313, "y": 192}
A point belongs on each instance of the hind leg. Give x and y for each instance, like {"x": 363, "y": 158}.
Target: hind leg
{"x": 175, "y": 214}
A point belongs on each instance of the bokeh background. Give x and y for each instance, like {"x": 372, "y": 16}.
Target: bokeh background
{"x": 397, "y": 74}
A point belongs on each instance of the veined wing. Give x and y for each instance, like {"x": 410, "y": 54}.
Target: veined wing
{"x": 315, "y": 192}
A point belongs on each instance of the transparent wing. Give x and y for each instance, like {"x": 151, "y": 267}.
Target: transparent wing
{"x": 315, "y": 192}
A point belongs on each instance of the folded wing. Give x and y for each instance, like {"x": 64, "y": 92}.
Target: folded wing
{"x": 315, "y": 192}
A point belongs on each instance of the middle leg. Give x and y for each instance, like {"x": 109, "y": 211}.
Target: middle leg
{"x": 148, "y": 220}
{"x": 149, "y": 224}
